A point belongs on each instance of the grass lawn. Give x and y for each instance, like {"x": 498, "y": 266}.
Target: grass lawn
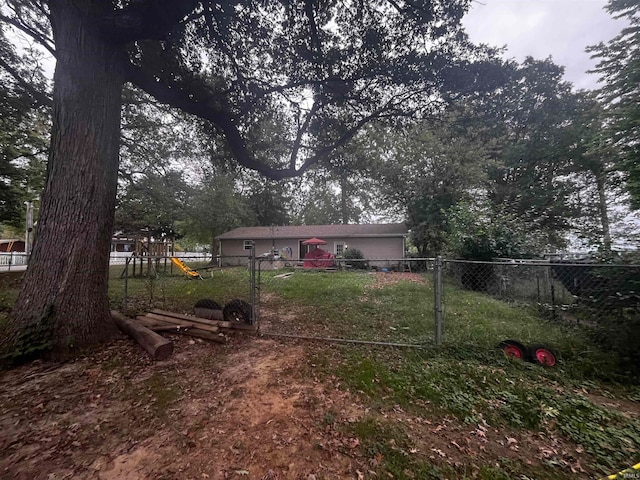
{"x": 175, "y": 291}
{"x": 466, "y": 378}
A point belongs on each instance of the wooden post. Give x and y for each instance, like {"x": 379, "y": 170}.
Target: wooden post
{"x": 156, "y": 345}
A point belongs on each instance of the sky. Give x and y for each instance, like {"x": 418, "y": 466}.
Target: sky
{"x": 561, "y": 29}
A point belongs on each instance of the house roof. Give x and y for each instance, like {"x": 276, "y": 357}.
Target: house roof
{"x": 307, "y": 231}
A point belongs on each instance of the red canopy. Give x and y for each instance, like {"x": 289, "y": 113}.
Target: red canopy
{"x": 318, "y": 258}
{"x": 314, "y": 241}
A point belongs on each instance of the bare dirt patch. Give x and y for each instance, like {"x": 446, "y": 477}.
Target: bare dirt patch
{"x": 384, "y": 279}
{"x": 250, "y": 409}
{"x": 242, "y": 411}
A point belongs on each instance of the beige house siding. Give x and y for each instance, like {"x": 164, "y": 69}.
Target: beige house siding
{"x": 383, "y": 248}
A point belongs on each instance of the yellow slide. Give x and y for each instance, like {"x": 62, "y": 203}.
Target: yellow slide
{"x": 180, "y": 264}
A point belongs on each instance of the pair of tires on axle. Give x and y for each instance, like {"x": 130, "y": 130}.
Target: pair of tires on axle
{"x": 540, "y": 354}
{"x": 236, "y": 311}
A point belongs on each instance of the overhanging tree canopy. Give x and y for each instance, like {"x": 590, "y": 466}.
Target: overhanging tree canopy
{"x": 311, "y": 72}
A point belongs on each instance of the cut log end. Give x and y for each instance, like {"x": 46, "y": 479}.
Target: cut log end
{"x": 158, "y": 347}
{"x": 164, "y": 351}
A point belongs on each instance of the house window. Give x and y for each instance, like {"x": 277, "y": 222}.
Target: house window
{"x": 339, "y": 249}
{"x": 248, "y": 244}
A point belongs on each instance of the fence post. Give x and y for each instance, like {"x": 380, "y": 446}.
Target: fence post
{"x": 126, "y": 282}
{"x": 437, "y": 303}
{"x": 252, "y": 293}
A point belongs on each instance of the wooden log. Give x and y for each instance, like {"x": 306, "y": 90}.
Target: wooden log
{"x": 158, "y": 326}
{"x": 150, "y": 324}
{"x": 155, "y": 345}
{"x": 191, "y": 332}
{"x": 176, "y": 321}
{"x": 170, "y": 328}
{"x": 191, "y": 318}
{"x": 195, "y": 332}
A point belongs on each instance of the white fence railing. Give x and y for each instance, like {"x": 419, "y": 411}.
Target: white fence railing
{"x": 13, "y": 259}
{"x": 19, "y": 260}
{"x": 120, "y": 258}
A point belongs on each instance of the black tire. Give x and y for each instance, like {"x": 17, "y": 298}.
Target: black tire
{"x": 543, "y": 355}
{"x": 514, "y": 349}
{"x": 237, "y": 311}
{"x": 207, "y": 303}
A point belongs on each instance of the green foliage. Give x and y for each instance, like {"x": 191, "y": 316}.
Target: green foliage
{"x": 490, "y": 391}
{"x": 321, "y": 206}
{"x": 153, "y": 200}
{"x": 355, "y": 254}
{"x": 538, "y": 143}
{"x": 32, "y": 340}
{"x": 270, "y": 203}
{"x": 479, "y": 233}
{"x": 216, "y": 207}
{"x": 619, "y": 68}
{"x": 23, "y": 136}
{"x": 610, "y": 436}
{"x": 433, "y": 168}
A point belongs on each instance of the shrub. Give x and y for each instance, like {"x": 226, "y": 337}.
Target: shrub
{"x": 355, "y": 254}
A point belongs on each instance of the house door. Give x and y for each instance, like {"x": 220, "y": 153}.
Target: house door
{"x": 304, "y": 249}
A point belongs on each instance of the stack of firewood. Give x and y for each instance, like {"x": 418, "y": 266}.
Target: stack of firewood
{"x": 215, "y": 330}
{"x": 144, "y": 329}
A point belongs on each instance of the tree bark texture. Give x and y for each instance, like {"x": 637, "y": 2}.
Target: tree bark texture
{"x": 63, "y": 305}
{"x": 602, "y": 207}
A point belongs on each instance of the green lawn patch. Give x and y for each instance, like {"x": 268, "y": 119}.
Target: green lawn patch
{"x": 177, "y": 291}
{"x": 467, "y": 377}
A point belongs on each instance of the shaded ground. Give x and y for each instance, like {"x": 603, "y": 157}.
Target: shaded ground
{"x": 219, "y": 412}
{"x": 10, "y": 280}
{"x": 250, "y": 409}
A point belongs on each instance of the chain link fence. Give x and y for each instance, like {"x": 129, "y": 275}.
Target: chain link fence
{"x": 385, "y": 301}
{"x": 565, "y": 291}
{"x": 457, "y": 301}
{"x": 181, "y": 283}
{"x": 407, "y": 301}
{"x": 602, "y": 298}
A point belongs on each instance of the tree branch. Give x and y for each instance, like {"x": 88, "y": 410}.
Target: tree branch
{"x": 37, "y": 96}
{"x": 145, "y": 19}
{"x": 301, "y": 131}
{"x": 187, "y": 102}
{"x": 46, "y": 42}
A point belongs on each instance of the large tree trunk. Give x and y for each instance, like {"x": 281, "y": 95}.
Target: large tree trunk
{"x": 63, "y": 305}
{"x": 344, "y": 195}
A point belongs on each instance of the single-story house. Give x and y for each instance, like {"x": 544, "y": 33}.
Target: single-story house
{"x": 375, "y": 241}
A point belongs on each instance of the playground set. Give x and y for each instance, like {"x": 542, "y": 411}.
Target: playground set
{"x": 152, "y": 251}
